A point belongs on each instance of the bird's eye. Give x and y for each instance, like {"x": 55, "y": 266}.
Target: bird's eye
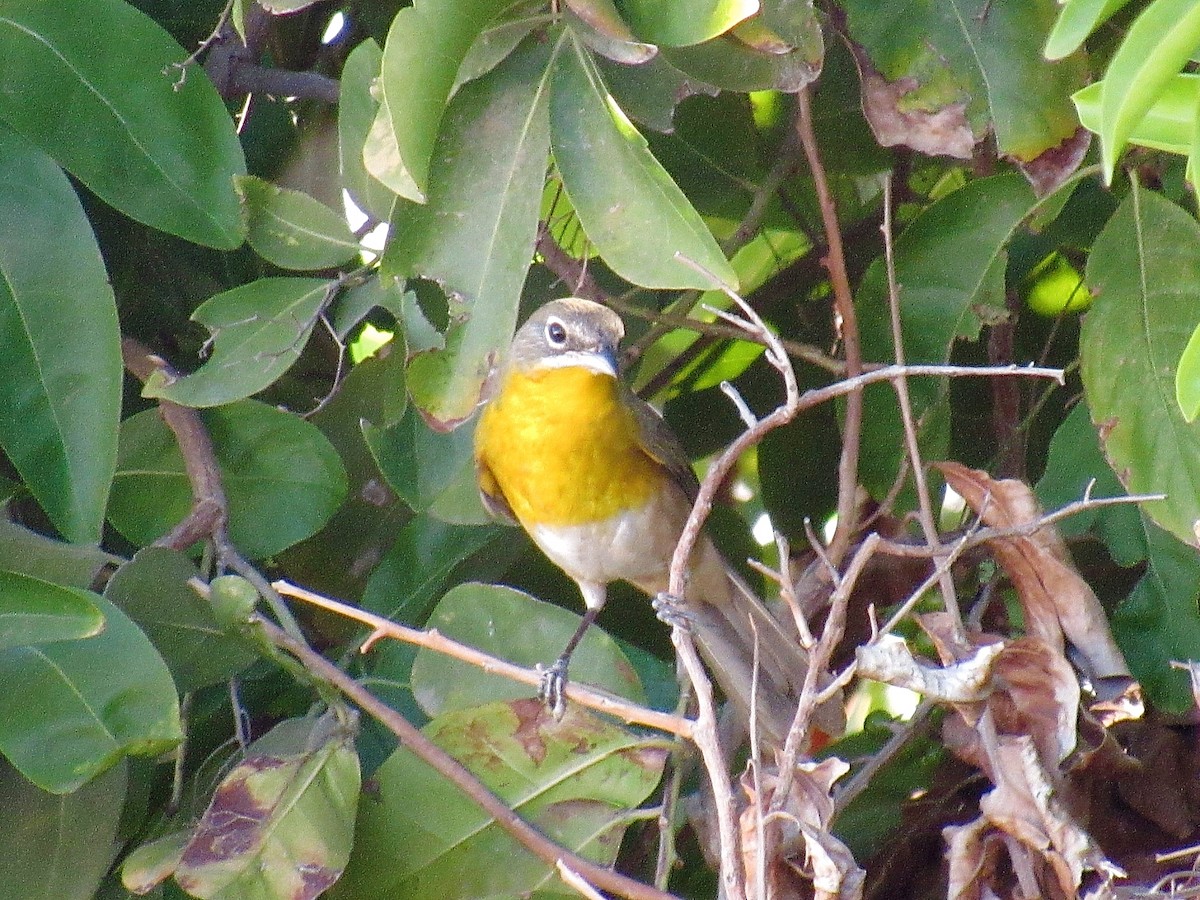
{"x": 556, "y": 333}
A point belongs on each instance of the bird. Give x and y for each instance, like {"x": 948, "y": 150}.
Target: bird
{"x": 602, "y": 486}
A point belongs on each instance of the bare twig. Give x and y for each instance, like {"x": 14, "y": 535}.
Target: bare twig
{"x": 209, "y": 513}
{"x": 912, "y": 446}
{"x": 450, "y": 768}
{"x": 843, "y": 301}
{"x": 432, "y": 640}
{"x": 976, "y": 535}
{"x": 706, "y": 736}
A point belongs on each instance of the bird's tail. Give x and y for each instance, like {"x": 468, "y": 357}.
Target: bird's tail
{"x": 755, "y": 657}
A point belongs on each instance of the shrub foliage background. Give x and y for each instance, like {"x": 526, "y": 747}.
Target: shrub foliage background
{"x": 637, "y": 152}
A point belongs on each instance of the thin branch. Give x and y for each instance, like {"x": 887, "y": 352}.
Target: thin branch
{"x": 976, "y": 536}
{"x": 450, "y": 768}
{"x": 912, "y": 445}
{"x": 843, "y": 301}
{"x": 433, "y": 640}
{"x": 210, "y": 509}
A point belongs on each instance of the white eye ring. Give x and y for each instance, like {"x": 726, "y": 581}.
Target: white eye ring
{"x": 556, "y": 333}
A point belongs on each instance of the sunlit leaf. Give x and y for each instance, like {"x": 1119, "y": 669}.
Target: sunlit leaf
{"x": 1076, "y": 20}
{"x": 475, "y": 235}
{"x": 516, "y": 627}
{"x": 357, "y": 110}
{"x": 685, "y": 22}
{"x": 574, "y": 779}
{"x": 425, "y": 47}
{"x": 280, "y": 824}
{"x": 1156, "y": 47}
{"x": 630, "y": 208}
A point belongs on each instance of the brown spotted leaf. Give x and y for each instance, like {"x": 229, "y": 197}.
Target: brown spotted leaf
{"x": 281, "y": 823}
{"x": 575, "y": 779}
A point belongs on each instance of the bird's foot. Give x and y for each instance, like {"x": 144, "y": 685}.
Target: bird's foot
{"x": 672, "y": 611}
{"x": 553, "y": 687}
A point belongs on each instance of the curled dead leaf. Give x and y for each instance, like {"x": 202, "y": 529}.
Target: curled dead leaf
{"x": 889, "y": 660}
{"x": 1055, "y": 599}
{"x": 807, "y": 852}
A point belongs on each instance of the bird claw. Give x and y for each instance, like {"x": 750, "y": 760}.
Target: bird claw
{"x": 672, "y": 611}
{"x": 553, "y": 687}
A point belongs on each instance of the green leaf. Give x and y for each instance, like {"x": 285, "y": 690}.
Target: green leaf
{"x": 521, "y": 629}
{"x": 432, "y": 471}
{"x": 952, "y": 70}
{"x": 649, "y": 93}
{"x": 415, "y": 568}
{"x": 1187, "y": 379}
{"x": 60, "y": 372}
{"x": 685, "y": 22}
{"x": 153, "y": 590}
{"x": 599, "y": 23}
{"x": 1167, "y": 125}
{"x": 1156, "y": 47}
{"x": 38, "y": 612}
{"x": 1076, "y": 20}
{"x": 258, "y": 331}
{"x": 357, "y": 109}
{"x": 1076, "y": 465}
{"x": 281, "y": 823}
{"x": 282, "y": 477}
{"x": 476, "y": 234}
{"x": 630, "y": 208}
{"x": 33, "y": 554}
{"x": 293, "y": 230}
{"x": 575, "y": 780}
{"x": 148, "y": 139}
{"x": 58, "y": 846}
{"x": 1142, "y": 269}
{"x": 73, "y": 709}
{"x": 950, "y": 268}
{"x": 425, "y": 47}
{"x": 733, "y": 65}
{"x": 1158, "y": 622}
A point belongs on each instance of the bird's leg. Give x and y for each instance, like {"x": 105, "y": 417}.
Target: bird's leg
{"x": 554, "y": 679}
{"x": 672, "y": 610}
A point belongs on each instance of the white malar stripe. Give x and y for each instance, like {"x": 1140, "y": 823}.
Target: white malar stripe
{"x": 594, "y": 362}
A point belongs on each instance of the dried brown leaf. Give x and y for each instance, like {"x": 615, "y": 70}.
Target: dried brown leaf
{"x": 890, "y": 661}
{"x": 1054, "y": 597}
{"x": 807, "y": 851}
{"x": 1049, "y": 844}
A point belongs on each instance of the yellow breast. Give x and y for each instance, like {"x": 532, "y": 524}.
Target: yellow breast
{"x": 563, "y": 449}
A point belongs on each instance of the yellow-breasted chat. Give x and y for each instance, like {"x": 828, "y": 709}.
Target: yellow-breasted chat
{"x": 602, "y": 486}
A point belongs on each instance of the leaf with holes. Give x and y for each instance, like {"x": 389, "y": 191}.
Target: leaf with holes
{"x": 258, "y": 331}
